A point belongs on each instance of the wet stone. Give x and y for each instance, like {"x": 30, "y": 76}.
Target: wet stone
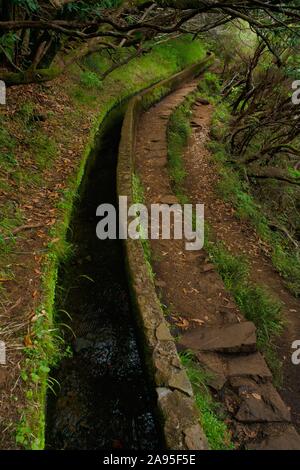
{"x": 223, "y": 367}
{"x": 248, "y": 365}
{"x": 260, "y": 402}
{"x": 214, "y": 365}
{"x": 180, "y": 381}
{"x": 288, "y": 439}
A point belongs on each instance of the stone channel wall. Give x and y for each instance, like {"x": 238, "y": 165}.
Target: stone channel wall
{"x": 178, "y": 414}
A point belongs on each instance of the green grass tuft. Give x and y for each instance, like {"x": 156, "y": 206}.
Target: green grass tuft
{"x": 178, "y": 133}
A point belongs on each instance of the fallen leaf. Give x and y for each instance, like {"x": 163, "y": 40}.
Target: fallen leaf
{"x": 28, "y": 342}
{"x": 256, "y": 396}
{"x": 196, "y": 320}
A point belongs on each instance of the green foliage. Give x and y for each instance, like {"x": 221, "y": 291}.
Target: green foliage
{"x": 44, "y": 149}
{"x": 180, "y": 53}
{"x": 8, "y": 42}
{"x": 10, "y": 218}
{"x": 211, "y": 418}
{"x": 138, "y": 198}
{"x": 233, "y": 269}
{"x": 210, "y": 84}
{"x": 85, "y": 8}
{"x": 261, "y": 308}
{"x": 254, "y": 301}
{"x": 288, "y": 264}
{"x": 294, "y": 173}
{"x": 28, "y": 5}
{"x": 26, "y": 112}
{"x": 46, "y": 350}
{"x": 220, "y": 121}
{"x": 90, "y": 80}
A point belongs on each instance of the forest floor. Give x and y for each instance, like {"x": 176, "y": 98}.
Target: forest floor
{"x": 197, "y": 304}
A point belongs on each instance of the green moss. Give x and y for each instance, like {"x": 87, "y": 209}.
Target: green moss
{"x": 138, "y": 198}
{"x": 90, "y": 79}
{"x": 210, "y": 84}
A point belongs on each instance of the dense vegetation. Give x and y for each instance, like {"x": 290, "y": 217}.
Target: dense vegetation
{"x": 40, "y": 39}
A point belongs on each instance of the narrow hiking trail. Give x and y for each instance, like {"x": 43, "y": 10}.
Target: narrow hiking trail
{"x": 198, "y": 306}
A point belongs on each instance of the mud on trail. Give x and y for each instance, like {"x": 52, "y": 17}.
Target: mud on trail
{"x": 188, "y": 284}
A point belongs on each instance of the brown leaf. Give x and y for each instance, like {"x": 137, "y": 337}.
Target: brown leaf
{"x": 28, "y": 342}
{"x": 198, "y": 321}
{"x": 256, "y": 396}
{"x": 183, "y": 323}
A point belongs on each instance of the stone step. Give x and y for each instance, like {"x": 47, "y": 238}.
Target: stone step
{"x": 260, "y": 402}
{"x": 231, "y": 338}
{"x": 222, "y": 367}
{"x": 248, "y": 365}
{"x": 286, "y": 439}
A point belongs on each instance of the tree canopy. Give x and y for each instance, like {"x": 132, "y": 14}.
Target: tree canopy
{"x": 39, "y": 38}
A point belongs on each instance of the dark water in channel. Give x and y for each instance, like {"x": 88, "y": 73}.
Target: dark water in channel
{"x": 104, "y": 400}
